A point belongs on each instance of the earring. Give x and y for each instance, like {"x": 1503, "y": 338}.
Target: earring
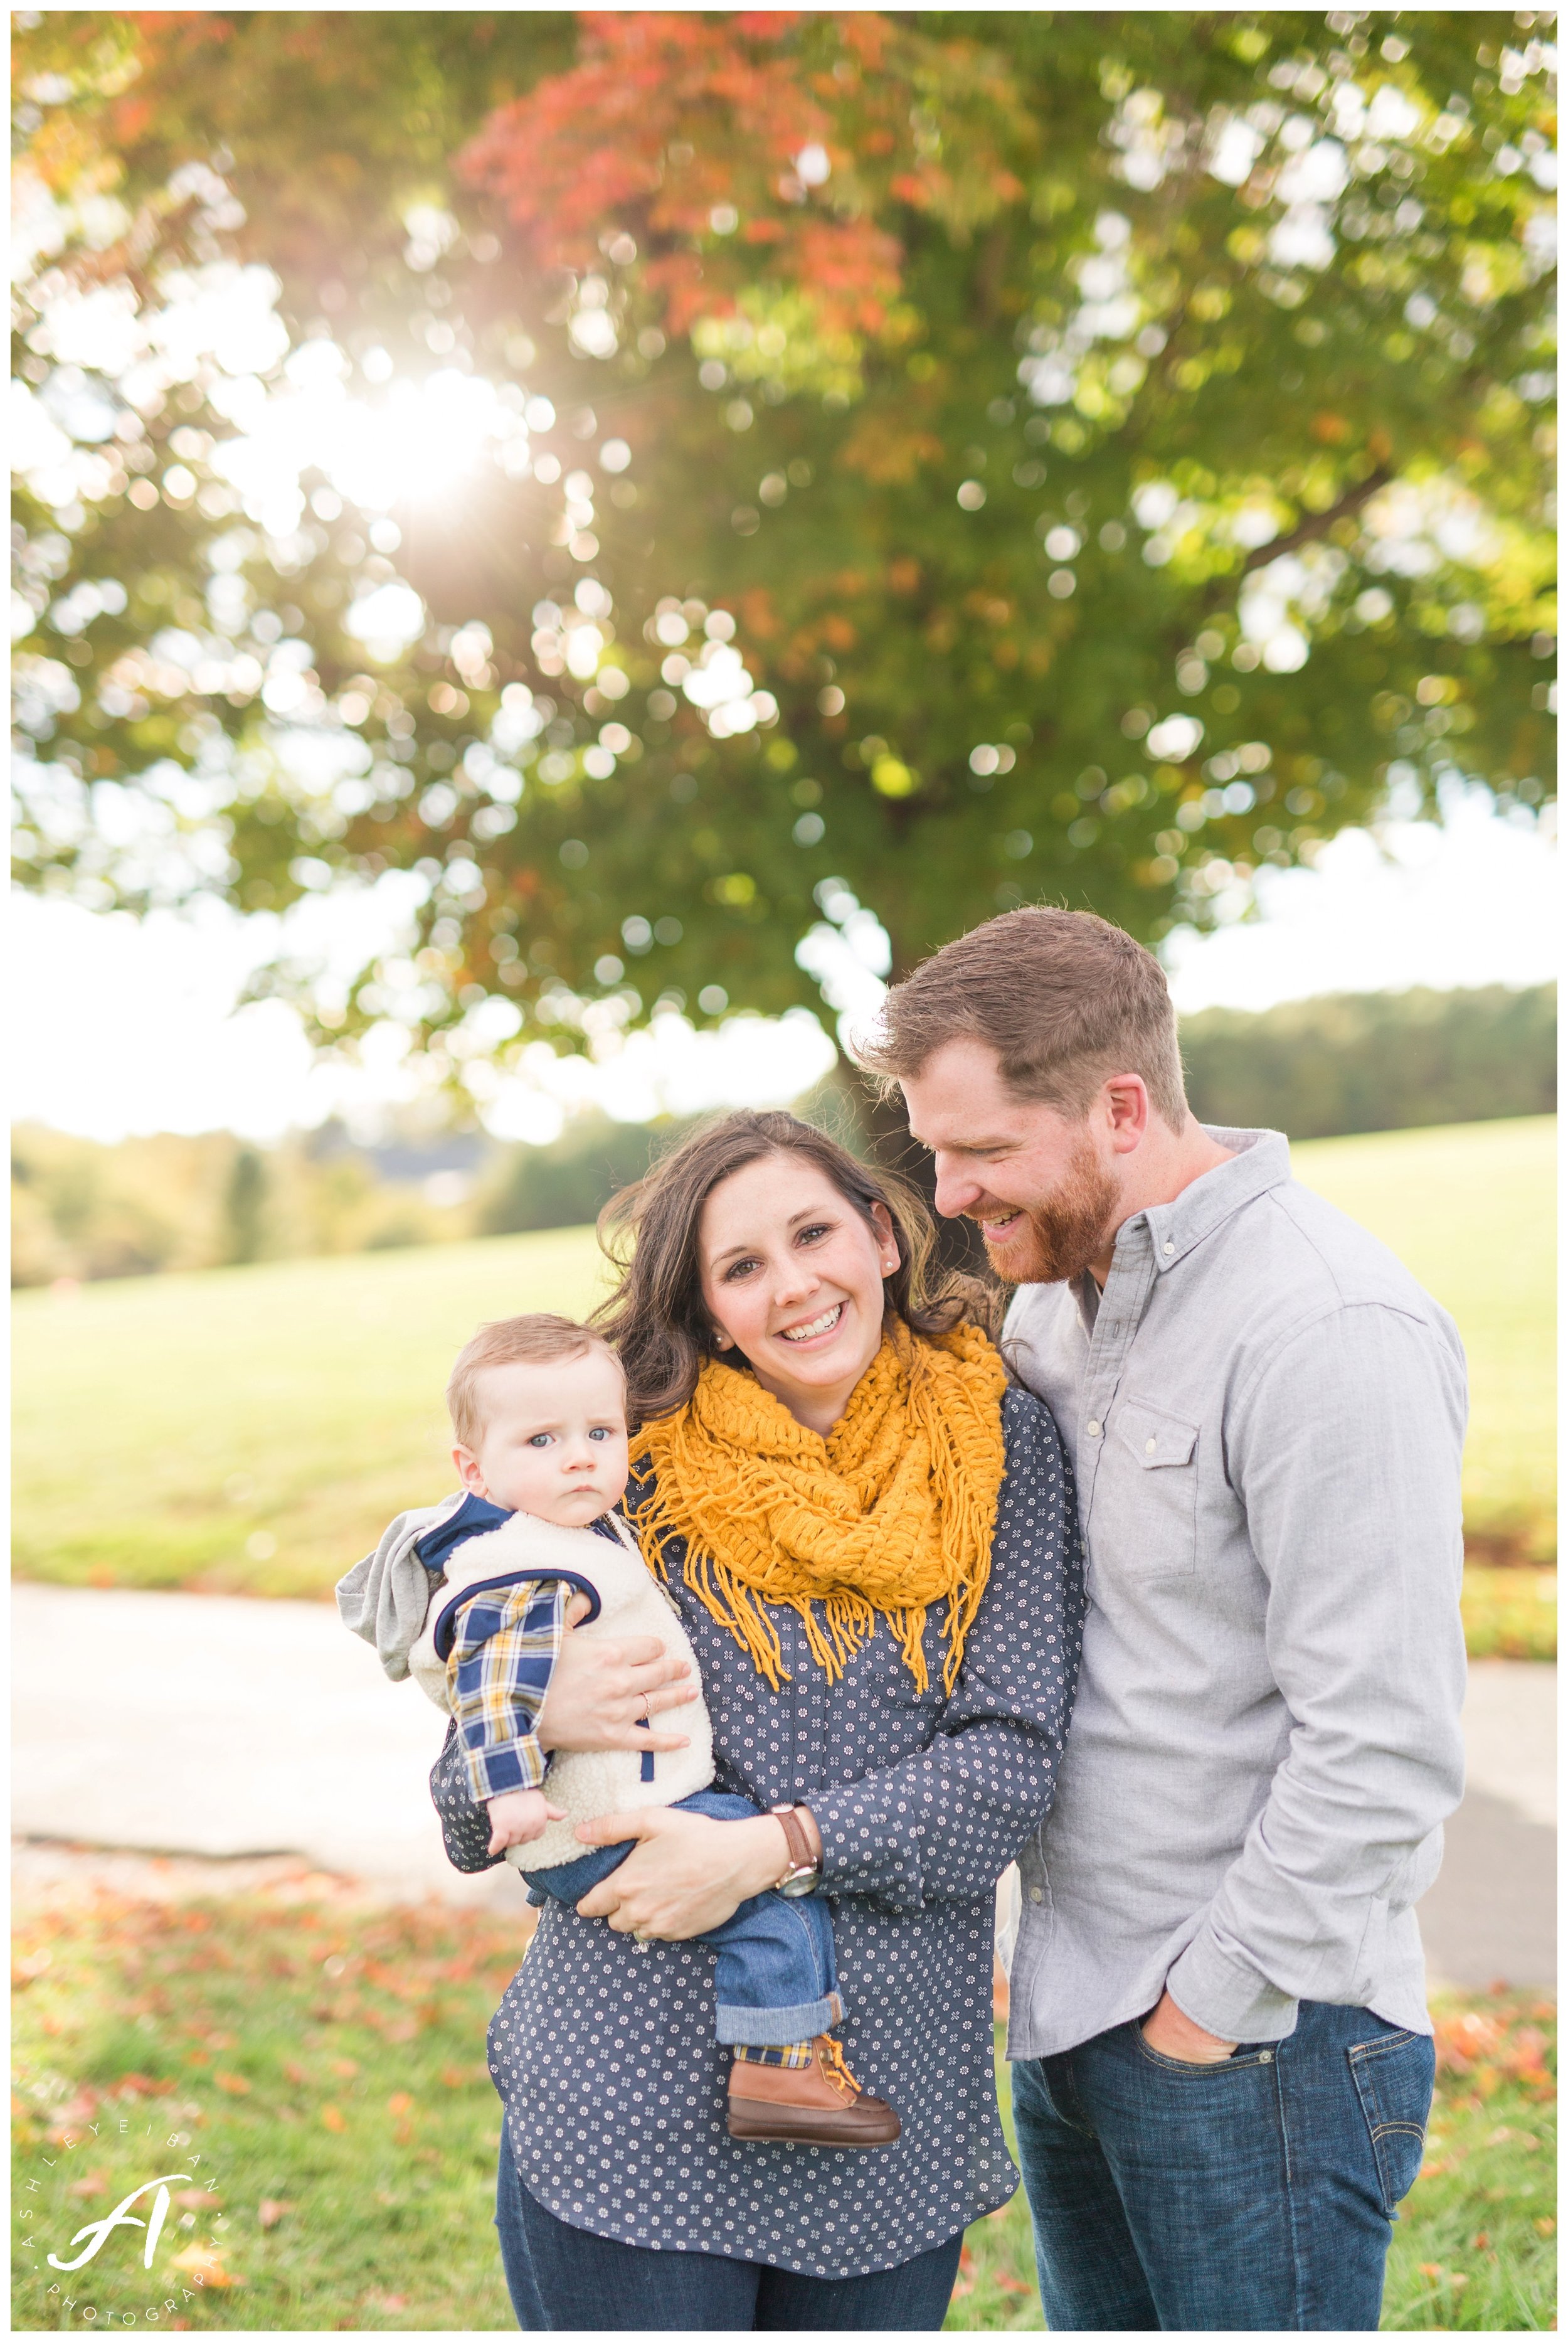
{"x": 721, "y": 1341}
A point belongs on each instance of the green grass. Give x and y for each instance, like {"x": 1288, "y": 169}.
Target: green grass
{"x": 252, "y": 1429}
{"x": 1470, "y": 1211}
{"x": 324, "y": 2063}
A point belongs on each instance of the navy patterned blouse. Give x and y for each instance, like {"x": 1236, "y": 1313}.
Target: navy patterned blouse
{"x": 603, "y": 2053}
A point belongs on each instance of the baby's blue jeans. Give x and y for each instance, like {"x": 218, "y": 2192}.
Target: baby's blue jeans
{"x": 776, "y": 1979}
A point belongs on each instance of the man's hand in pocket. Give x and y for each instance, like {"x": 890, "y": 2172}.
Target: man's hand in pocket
{"x": 1171, "y": 2031}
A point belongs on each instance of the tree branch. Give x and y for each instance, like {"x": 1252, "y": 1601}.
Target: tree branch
{"x": 1319, "y": 524}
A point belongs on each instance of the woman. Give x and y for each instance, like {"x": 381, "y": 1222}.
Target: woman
{"x": 824, "y": 1450}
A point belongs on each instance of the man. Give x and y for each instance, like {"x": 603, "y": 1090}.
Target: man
{"x": 1219, "y": 2015}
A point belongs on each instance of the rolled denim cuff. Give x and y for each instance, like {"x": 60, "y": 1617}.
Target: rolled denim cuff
{"x": 1227, "y": 1996}
{"x": 774, "y": 2028}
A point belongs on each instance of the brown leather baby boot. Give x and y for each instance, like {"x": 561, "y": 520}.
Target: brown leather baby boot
{"x": 819, "y": 2104}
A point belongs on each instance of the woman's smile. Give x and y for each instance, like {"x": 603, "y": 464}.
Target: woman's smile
{"x": 815, "y": 1328}
{"x": 792, "y": 1273}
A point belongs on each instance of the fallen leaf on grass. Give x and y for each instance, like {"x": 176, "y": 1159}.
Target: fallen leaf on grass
{"x": 1011, "y": 2285}
{"x": 236, "y": 2084}
{"x": 79, "y": 2109}
{"x": 965, "y": 2262}
{"x": 1546, "y": 2227}
{"x": 345, "y": 2067}
{"x": 139, "y": 2086}
{"x": 206, "y": 2265}
{"x": 391, "y": 2303}
{"x": 89, "y": 2183}
{"x": 458, "y": 2077}
{"x": 272, "y": 2210}
{"x": 196, "y": 2199}
{"x": 333, "y": 2118}
{"x": 296, "y": 2074}
{"x": 399, "y": 2103}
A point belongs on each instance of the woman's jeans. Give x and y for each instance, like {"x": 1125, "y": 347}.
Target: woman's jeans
{"x": 776, "y": 1980}
{"x": 1255, "y": 2193}
{"x": 564, "y": 2279}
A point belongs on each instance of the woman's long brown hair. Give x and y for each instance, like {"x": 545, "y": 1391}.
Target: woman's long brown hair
{"x": 656, "y": 1318}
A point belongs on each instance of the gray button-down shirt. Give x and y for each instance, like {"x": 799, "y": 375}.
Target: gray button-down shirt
{"x": 1266, "y": 1414}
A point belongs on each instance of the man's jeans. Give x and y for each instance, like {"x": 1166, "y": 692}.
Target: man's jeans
{"x": 1254, "y": 2194}
{"x": 777, "y": 1979}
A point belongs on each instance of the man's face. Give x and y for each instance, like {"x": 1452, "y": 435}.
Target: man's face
{"x": 1043, "y": 1191}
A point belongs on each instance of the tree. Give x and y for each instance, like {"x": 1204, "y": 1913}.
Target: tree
{"x": 244, "y": 1205}
{"x": 930, "y": 462}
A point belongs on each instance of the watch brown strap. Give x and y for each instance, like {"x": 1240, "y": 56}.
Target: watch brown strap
{"x": 801, "y": 1856}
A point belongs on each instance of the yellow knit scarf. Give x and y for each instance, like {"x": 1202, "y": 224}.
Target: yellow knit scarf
{"x": 892, "y": 1512}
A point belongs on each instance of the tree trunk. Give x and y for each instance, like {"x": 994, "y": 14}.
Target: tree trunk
{"x": 890, "y": 1144}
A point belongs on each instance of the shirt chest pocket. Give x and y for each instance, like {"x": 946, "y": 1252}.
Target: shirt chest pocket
{"x": 1146, "y": 1504}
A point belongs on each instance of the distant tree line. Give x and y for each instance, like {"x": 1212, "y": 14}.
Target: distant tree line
{"x": 1375, "y": 1061}
{"x": 169, "y": 1202}
{"x": 1313, "y": 1069}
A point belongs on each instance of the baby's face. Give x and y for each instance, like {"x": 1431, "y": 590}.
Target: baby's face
{"x": 555, "y": 1438}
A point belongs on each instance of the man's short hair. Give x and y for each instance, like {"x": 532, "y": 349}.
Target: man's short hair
{"x": 538, "y": 1340}
{"x": 1064, "y": 998}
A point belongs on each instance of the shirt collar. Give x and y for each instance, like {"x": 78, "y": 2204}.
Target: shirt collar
{"x": 1260, "y": 1159}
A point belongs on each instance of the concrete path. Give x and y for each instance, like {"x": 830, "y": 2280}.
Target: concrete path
{"x": 1493, "y": 1915}
{"x": 197, "y": 1725}
{"x": 190, "y": 1724}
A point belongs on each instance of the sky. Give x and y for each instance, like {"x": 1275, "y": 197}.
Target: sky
{"x": 119, "y": 1028}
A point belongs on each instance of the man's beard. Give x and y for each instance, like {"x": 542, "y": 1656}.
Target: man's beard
{"x": 1056, "y": 1240}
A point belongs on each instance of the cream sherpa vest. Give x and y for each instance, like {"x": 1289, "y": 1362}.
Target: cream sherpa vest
{"x": 591, "y": 1781}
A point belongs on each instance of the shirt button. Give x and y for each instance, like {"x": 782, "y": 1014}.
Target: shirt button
{"x": 1034, "y": 1895}
{"x": 1150, "y": 1445}
{"x": 1092, "y": 1428}
{"x": 1170, "y": 1247}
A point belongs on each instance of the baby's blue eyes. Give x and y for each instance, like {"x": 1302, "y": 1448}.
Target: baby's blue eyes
{"x": 540, "y": 1439}
{"x": 600, "y": 1431}
{"x": 548, "y": 1438}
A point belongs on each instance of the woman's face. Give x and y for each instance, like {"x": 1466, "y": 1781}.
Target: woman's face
{"x": 791, "y": 1278}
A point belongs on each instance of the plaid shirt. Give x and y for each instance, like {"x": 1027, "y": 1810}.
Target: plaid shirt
{"x": 503, "y": 1652}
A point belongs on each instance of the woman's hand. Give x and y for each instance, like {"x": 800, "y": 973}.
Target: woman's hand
{"x": 687, "y": 1872}
{"x": 600, "y": 1691}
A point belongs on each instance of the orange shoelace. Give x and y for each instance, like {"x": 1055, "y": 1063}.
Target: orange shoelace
{"x": 837, "y": 2072}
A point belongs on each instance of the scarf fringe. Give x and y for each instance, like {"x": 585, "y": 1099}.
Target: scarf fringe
{"x": 948, "y": 1392}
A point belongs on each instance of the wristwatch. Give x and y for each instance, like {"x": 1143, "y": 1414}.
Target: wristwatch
{"x": 805, "y": 1866}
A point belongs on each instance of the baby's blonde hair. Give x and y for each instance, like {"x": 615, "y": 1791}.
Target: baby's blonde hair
{"x": 537, "y": 1340}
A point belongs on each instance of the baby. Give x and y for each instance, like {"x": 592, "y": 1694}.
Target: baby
{"x": 473, "y": 1599}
